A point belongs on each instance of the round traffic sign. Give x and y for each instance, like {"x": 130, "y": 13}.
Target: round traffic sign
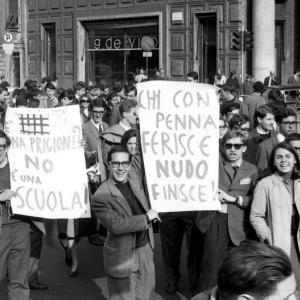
{"x": 147, "y": 43}
{"x": 8, "y": 37}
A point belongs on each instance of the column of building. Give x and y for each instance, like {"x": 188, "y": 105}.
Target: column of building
{"x": 264, "y": 38}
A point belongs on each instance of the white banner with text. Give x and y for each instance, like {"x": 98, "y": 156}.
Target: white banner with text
{"x": 179, "y": 124}
{"x": 47, "y": 163}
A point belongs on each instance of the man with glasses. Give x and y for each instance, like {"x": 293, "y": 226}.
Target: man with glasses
{"x": 92, "y": 132}
{"x": 14, "y": 234}
{"x": 114, "y": 134}
{"x": 227, "y": 228}
{"x": 294, "y": 140}
{"x": 287, "y": 124}
{"x": 121, "y": 205}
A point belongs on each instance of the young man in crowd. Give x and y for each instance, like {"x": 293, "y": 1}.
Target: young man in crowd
{"x": 14, "y": 235}
{"x": 122, "y": 207}
{"x": 193, "y": 76}
{"x": 52, "y": 101}
{"x": 255, "y": 100}
{"x": 264, "y": 128}
{"x": 114, "y": 133}
{"x": 240, "y": 123}
{"x": 254, "y": 271}
{"x": 230, "y": 95}
{"x": 221, "y": 230}
{"x": 287, "y": 123}
{"x": 79, "y": 89}
{"x": 294, "y": 140}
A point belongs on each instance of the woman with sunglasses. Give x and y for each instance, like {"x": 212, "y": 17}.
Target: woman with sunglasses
{"x": 85, "y": 108}
{"x": 276, "y": 204}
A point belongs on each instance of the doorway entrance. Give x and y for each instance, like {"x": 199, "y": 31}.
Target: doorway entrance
{"x": 206, "y": 47}
{"x": 114, "y": 53}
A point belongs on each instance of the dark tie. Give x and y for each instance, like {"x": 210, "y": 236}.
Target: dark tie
{"x": 235, "y": 170}
{"x": 100, "y": 129}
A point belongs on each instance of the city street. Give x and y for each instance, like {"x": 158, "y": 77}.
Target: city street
{"x": 90, "y": 284}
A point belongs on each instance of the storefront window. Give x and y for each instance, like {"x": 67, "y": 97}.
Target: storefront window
{"x": 114, "y": 52}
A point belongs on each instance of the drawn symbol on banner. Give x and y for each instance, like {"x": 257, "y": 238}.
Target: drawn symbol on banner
{"x": 34, "y": 124}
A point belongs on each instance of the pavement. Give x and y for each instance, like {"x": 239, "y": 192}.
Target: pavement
{"x": 90, "y": 284}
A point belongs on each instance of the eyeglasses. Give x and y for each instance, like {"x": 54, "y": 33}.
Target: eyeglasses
{"x": 84, "y": 101}
{"x": 222, "y": 127}
{"x": 297, "y": 149}
{"x": 294, "y": 123}
{"x": 3, "y": 147}
{"x": 116, "y": 164}
{"x": 235, "y": 146}
{"x": 98, "y": 112}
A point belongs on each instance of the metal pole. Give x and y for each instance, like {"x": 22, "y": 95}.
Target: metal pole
{"x": 147, "y": 66}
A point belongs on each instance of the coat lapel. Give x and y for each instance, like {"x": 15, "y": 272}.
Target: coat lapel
{"x": 139, "y": 194}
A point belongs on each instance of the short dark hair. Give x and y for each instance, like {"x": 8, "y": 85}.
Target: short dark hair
{"x": 253, "y": 268}
{"x": 3, "y": 89}
{"x": 115, "y": 149}
{"x": 126, "y": 106}
{"x": 229, "y": 88}
{"x": 231, "y": 135}
{"x": 284, "y": 113}
{"x": 6, "y": 137}
{"x": 193, "y": 74}
{"x": 127, "y": 136}
{"x": 258, "y": 87}
{"x": 288, "y": 147}
{"x": 275, "y": 95}
{"x": 261, "y": 112}
{"x": 79, "y": 85}
{"x": 50, "y": 86}
{"x": 292, "y": 137}
{"x": 99, "y": 102}
{"x": 229, "y": 107}
{"x": 69, "y": 93}
{"x": 130, "y": 88}
{"x": 238, "y": 120}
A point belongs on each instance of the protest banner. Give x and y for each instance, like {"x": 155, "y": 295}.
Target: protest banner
{"x": 179, "y": 124}
{"x": 47, "y": 163}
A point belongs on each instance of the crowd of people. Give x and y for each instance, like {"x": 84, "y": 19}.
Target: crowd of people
{"x": 259, "y": 180}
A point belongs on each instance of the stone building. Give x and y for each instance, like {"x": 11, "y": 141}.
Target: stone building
{"x": 13, "y": 56}
{"x": 101, "y": 40}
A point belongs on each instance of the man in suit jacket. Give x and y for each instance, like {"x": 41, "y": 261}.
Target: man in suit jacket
{"x": 229, "y": 227}
{"x": 271, "y": 80}
{"x": 287, "y": 124}
{"x": 92, "y": 132}
{"x": 121, "y": 205}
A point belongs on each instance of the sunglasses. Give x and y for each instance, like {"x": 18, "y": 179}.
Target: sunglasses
{"x": 116, "y": 164}
{"x": 235, "y": 146}
{"x": 3, "y": 147}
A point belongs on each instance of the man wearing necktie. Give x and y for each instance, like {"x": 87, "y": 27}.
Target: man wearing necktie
{"x": 227, "y": 228}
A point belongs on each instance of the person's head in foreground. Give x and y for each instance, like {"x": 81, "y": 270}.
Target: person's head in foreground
{"x": 256, "y": 271}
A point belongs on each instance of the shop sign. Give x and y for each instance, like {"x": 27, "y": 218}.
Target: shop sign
{"x": 120, "y": 43}
{"x": 8, "y": 48}
{"x": 147, "y": 53}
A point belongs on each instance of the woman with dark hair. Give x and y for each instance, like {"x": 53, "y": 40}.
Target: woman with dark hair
{"x": 66, "y": 97}
{"x": 85, "y": 108}
{"x": 128, "y": 141}
{"x": 276, "y": 204}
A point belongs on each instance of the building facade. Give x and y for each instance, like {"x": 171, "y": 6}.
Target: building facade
{"x": 13, "y": 41}
{"x": 102, "y": 40}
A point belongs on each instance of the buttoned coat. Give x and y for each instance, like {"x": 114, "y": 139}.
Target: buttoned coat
{"x": 94, "y": 143}
{"x": 115, "y": 214}
{"x": 242, "y": 185}
{"x": 271, "y": 211}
